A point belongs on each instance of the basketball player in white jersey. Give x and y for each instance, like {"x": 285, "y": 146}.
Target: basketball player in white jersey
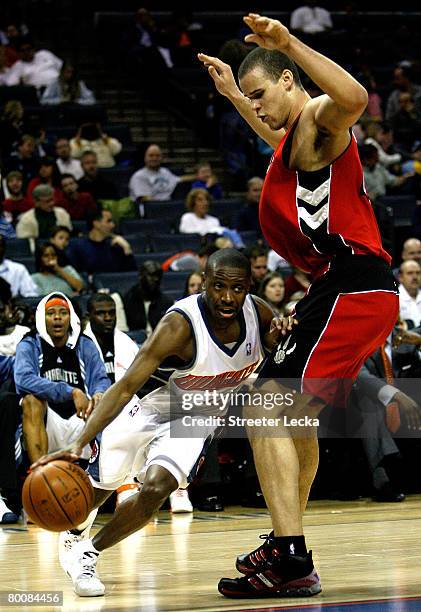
{"x": 218, "y": 339}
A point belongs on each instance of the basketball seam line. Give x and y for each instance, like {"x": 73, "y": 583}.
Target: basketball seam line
{"x": 33, "y": 505}
{"x": 71, "y": 476}
{"x": 57, "y": 499}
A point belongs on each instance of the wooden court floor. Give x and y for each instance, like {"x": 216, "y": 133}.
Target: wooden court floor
{"x": 364, "y": 551}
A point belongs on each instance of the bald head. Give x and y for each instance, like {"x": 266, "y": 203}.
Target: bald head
{"x": 153, "y": 157}
{"x": 412, "y": 250}
{"x": 410, "y": 277}
{"x": 254, "y": 189}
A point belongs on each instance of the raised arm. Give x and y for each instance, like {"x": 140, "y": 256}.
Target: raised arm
{"x": 171, "y": 337}
{"x": 345, "y": 98}
{"x": 223, "y": 78}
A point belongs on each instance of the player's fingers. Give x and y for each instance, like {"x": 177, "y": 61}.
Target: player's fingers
{"x": 253, "y": 38}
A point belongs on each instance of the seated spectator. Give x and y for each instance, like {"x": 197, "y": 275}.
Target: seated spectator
{"x": 144, "y": 303}
{"x": 94, "y": 183}
{"x": 406, "y": 123}
{"x": 248, "y": 219}
{"x": 6, "y": 224}
{"x": 78, "y": 205}
{"x": 101, "y": 250}
{"x": 65, "y": 162}
{"x": 16, "y": 203}
{"x": 23, "y": 159}
{"x": 258, "y": 258}
{"x": 403, "y": 82}
{"x": 205, "y": 179}
{"x": 153, "y": 181}
{"x": 10, "y": 331}
{"x": 35, "y": 68}
{"x": 272, "y": 290}
{"x": 48, "y": 174}
{"x": 381, "y": 136}
{"x": 90, "y": 137}
{"x": 55, "y": 399}
{"x": 311, "y": 19}
{"x": 117, "y": 351}
{"x": 197, "y": 220}
{"x": 410, "y": 292}
{"x": 50, "y": 276}
{"x": 11, "y": 127}
{"x": 67, "y": 89}
{"x": 60, "y": 238}
{"x": 193, "y": 284}
{"x": 16, "y": 274}
{"x": 377, "y": 179}
{"x": 9, "y": 422}
{"x": 39, "y": 221}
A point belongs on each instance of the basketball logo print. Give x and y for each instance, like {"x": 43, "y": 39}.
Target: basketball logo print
{"x": 282, "y": 351}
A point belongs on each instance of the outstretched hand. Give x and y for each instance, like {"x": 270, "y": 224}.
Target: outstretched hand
{"x": 221, "y": 74}
{"x": 267, "y": 33}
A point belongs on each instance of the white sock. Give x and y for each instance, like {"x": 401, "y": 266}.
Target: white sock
{"x": 89, "y": 521}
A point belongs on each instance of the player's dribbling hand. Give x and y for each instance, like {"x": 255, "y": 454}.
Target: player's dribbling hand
{"x": 221, "y": 74}
{"x": 281, "y": 326}
{"x": 71, "y": 453}
{"x": 267, "y": 33}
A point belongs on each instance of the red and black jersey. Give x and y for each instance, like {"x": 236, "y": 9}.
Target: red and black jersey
{"x": 311, "y": 217}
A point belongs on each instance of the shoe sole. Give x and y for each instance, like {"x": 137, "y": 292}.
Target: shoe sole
{"x": 96, "y": 593}
{"x": 315, "y": 589}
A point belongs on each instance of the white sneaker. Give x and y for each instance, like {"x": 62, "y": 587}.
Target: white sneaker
{"x": 180, "y": 502}
{"x": 86, "y": 582}
{"x": 66, "y": 542}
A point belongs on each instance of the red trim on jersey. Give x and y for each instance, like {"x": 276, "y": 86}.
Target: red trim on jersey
{"x": 339, "y": 353}
{"x": 351, "y": 214}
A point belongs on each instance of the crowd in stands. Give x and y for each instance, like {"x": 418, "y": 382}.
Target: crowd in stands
{"x": 77, "y": 220}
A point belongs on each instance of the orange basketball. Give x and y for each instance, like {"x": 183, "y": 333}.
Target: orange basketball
{"x": 58, "y": 496}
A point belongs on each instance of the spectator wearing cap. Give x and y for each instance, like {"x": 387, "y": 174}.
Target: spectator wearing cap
{"x": 16, "y": 275}
{"x": 39, "y": 221}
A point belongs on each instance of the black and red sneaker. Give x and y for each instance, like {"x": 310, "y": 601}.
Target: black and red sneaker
{"x": 250, "y": 562}
{"x": 282, "y": 576}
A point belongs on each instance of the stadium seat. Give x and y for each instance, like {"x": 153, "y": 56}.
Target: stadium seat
{"x": 145, "y": 226}
{"x": 174, "y": 281}
{"x": 28, "y": 262}
{"x": 159, "y": 257}
{"x": 16, "y": 248}
{"x": 139, "y": 242}
{"x": 164, "y": 210}
{"x": 79, "y": 227}
{"x": 176, "y": 242}
{"x": 249, "y": 237}
{"x": 118, "y": 282}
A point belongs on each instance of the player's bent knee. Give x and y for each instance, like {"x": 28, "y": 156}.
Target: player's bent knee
{"x": 158, "y": 484}
{"x": 33, "y": 409}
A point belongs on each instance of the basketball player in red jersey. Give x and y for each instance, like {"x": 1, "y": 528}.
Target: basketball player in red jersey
{"x": 314, "y": 212}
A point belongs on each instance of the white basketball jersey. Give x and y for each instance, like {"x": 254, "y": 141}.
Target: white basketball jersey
{"x": 215, "y": 366}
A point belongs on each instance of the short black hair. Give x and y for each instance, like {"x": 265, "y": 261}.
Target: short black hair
{"x": 93, "y": 216}
{"x": 272, "y": 62}
{"x": 254, "y": 251}
{"x": 97, "y": 298}
{"x": 228, "y": 258}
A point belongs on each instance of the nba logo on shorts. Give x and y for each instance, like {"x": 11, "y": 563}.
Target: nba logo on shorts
{"x": 248, "y": 348}
{"x": 133, "y": 411}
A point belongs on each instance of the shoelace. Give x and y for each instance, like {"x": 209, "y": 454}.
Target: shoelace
{"x": 89, "y": 560}
{"x": 181, "y": 493}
